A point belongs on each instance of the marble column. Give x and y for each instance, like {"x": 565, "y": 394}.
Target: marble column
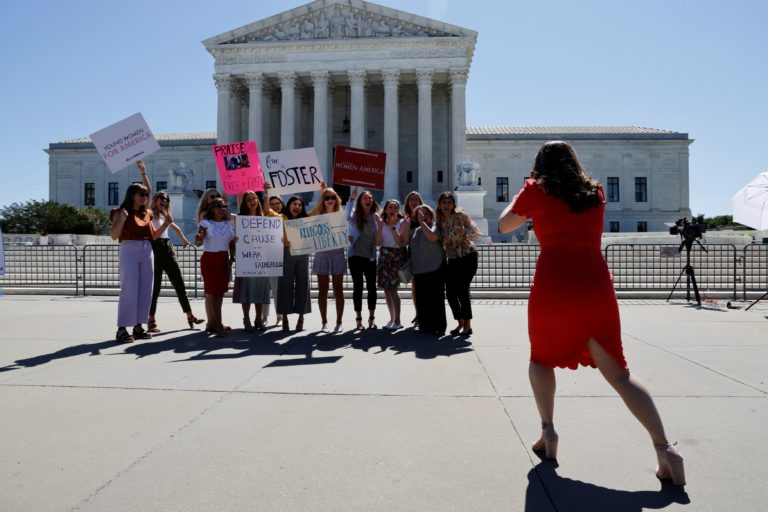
{"x": 320, "y": 81}
{"x": 236, "y": 112}
{"x": 458, "y": 120}
{"x": 424, "y": 80}
{"x": 287, "y": 110}
{"x": 391, "y": 79}
{"x": 357, "y": 94}
{"x": 223, "y": 121}
{"x": 255, "y": 83}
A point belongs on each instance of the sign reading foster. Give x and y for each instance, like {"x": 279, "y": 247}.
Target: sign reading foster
{"x": 359, "y": 167}
{"x": 291, "y": 171}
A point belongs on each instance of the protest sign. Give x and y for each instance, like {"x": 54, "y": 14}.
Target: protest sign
{"x": 318, "y": 233}
{"x": 239, "y": 167}
{"x": 359, "y": 167}
{"x": 124, "y": 142}
{"x": 2, "y": 255}
{"x": 259, "y": 246}
{"x": 291, "y": 171}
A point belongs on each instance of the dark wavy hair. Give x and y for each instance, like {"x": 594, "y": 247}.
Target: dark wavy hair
{"x": 558, "y": 170}
{"x": 287, "y": 208}
{"x": 360, "y": 217}
{"x": 127, "y": 204}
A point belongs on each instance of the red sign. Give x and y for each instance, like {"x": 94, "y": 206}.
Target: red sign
{"x": 359, "y": 168}
{"x": 239, "y": 167}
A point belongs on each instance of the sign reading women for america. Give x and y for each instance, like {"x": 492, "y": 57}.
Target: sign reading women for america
{"x": 259, "y": 246}
{"x": 317, "y": 233}
{"x": 239, "y": 167}
{"x": 359, "y": 167}
{"x": 291, "y": 171}
{"x": 125, "y": 142}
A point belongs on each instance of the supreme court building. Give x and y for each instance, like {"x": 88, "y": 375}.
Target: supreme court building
{"x": 354, "y": 73}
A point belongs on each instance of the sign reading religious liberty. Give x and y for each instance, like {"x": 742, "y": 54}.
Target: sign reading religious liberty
{"x": 317, "y": 233}
{"x": 359, "y": 167}
{"x": 124, "y": 142}
{"x": 291, "y": 171}
{"x": 259, "y": 246}
{"x": 239, "y": 167}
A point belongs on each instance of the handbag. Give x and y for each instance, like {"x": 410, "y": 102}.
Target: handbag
{"x": 404, "y": 272}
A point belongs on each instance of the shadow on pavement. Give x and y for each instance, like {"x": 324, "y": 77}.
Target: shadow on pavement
{"x": 549, "y": 491}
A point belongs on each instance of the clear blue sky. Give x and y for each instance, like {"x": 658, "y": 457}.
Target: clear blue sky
{"x": 700, "y": 67}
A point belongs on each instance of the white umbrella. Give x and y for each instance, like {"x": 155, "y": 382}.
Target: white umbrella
{"x": 750, "y": 204}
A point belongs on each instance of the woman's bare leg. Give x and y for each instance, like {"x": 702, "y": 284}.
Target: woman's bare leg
{"x": 338, "y": 295}
{"x": 322, "y": 297}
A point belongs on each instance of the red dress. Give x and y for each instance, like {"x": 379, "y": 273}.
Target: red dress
{"x": 572, "y": 297}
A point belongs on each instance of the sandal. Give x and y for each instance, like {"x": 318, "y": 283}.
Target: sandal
{"x": 191, "y": 320}
{"x": 359, "y": 324}
{"x": 371, "y": 324}
{"x": 123, "y": 336}
{"x": 152, "y": 326}
{"x": 247, "y": 324}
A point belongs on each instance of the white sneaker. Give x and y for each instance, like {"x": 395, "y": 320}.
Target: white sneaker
{"x": 396, "y": 326}
{"x": 324, "y": 328}
{"x": 337, "y": 328}
{"x": 390, "y": 326}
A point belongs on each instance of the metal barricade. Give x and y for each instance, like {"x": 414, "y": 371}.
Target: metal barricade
{"x": 48, "y": 266}
{"x": 647, "y": 267}
{"x": 505, "y": 266}
{"x": 755, "y": 271}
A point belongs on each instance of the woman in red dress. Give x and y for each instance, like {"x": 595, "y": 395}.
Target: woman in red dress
{"x": 573, "y": 316}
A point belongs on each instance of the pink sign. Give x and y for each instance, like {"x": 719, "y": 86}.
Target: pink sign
{"x": 239, "y": 167}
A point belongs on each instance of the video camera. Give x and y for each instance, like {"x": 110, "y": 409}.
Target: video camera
{"x": 687, "y": 229}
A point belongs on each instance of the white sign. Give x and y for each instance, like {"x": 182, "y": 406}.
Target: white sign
{"x": 317, "y": 233}
{"x": 291, "y": 171}
{"x": 2, "y": 255}
{"x": 259, "y": 246}
{"x": 125, "y": 142}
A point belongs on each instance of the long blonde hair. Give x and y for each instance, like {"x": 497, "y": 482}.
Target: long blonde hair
{"x": 153, "y": 204}
{"x": 202, "y": 206}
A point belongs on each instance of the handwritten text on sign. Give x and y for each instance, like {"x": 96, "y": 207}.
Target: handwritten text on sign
{"x": 259, "y": 246}
{"x": 291, "y": 171}
{"x": 125, "y": 142}
{"x": 317, "y": 233}
{"x": 239, "y": 167}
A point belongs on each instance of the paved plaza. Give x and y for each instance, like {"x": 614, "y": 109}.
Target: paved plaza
{"x": 369, "y": 421}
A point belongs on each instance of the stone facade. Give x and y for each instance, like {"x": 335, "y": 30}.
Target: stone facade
{"x": 348, "y": 72}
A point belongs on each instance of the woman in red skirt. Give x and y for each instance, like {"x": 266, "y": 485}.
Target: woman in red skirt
{"x": 573, "y": 316}
{"x": 217, "y": 236}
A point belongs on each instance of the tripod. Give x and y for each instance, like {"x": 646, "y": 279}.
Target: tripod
{"x": 688, "y": 271}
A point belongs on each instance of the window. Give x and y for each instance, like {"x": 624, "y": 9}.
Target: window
{"x": 161, "y": 185}
{"x": 613, "y": 190}
{"x": 641, "y": 190}
{"x": 409, "y": 176}
{"x": 613, "y": 226}
{"x": 642, "y": 226}
{"x": 90, "y": 194}
{"x": 210, "y": 184}
{"x": 439, "y": 176}
{"x": 113, "y": 198}
{"x": 502, "y": 190}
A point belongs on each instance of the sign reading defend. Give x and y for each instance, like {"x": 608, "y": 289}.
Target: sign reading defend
{"x": 291, "y": 171}
{"x": 124, "y": 142}
{"x": 259, "y": 246}
{"x": 359, "y": 167}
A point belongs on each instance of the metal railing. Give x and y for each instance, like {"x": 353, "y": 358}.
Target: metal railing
{"x": 641, "y": 267}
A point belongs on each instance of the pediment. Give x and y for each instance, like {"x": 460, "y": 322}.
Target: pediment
{"x": 338, "y": 20}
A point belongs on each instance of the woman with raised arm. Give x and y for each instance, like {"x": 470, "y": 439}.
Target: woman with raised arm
{"x": 205, "y": 201}
{"x": 165, "y": 259}
{"x": 458, "y": 232}
{"x": 428, "y": 268}
{"x": 329, "y": 265}
{"x": 412, "y": 201}
{"x": 392, "y": 237}
{"x": 216, "y": 234}
{"x": 573, "y": 316}
{"x": 251, "y": 290}
{"x": 293, "y": 287}
{"x": 132, "y": 226}
{"x": 360, "y": 211}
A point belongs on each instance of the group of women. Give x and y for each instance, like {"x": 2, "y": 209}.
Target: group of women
{"x": 573, "y": 316}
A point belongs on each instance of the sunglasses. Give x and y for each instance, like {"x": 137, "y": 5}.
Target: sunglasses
{"x": 222, "y": 206}
{"x": 214, "y": 196}
{"x": 143, "y": 194}
{"x": 329, "y": 198}
{"x": 162, "y": 198}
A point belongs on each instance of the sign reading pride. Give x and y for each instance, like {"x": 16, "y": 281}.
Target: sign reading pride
{"x": 359, "y": 167}
{"x": 317, "y": 233}
{"x": 291, "y": 171}
{"x": 259, "y": 246}
{"x": 239, "y": 167}
{"x": 124, "y": 142}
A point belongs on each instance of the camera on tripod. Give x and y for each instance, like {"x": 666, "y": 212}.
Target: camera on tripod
{"x": 687, "y": 229}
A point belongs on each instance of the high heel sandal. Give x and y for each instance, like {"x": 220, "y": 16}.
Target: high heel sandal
{"x": 547, "y": 443}
{"x": 152, "y": 326}
{"x": 371, "y": 323}
{"x": 247, "y": 324}
{"x": 192, "y": 320}
{"x": 671, "y": 464}
{"x": 359, "y": 325}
